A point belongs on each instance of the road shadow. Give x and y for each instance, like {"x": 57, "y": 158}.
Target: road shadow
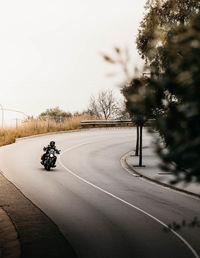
{"x": 55, "y": 170}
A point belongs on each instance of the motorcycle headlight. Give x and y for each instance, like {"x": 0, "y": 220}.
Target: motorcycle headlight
{"x": 51, "y": 155}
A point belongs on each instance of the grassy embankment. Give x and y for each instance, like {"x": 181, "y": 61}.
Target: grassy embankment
{"x": 8, "y": 135}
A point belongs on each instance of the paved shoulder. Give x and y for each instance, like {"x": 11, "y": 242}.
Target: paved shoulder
{"x": 26, "y": 229}
{"x": 9, "y": 240}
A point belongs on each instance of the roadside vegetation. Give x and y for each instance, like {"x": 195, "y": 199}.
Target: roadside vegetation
{"x": 33, "y": 126}
{"x": 104, "y": 106}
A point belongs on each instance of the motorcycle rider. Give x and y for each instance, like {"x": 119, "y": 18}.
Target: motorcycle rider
{"x": 47, "y": 149}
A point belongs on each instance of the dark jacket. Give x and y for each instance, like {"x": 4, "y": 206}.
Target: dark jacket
{"x": 48, "y": 148}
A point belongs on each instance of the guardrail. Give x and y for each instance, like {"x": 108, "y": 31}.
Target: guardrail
{"x": 107, "y": 123}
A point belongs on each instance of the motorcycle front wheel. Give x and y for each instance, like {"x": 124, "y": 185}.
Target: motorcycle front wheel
{"x": 47, "y": 167}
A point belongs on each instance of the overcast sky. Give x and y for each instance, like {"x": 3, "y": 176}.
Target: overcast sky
{"x": 50, "y": 50}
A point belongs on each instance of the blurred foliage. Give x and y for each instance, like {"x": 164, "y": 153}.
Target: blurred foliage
{"x": 135, "y": 99}
{"x": 161, "y": 17}
{"x": 171, "y": 93}
{"x": 180, "y": 124}
{"x": 121, "y": 58}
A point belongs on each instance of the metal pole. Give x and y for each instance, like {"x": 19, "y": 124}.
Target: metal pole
{"x": 16, "y": 123}
{"x": 140, "y": 156}
{"x": 48, "y": 122}
{"x": 17, "y": 111}
{"x": 36, "y": 125}
{"x": 60, "y": 121}
{"x": 2, "y": 116}
{"x": 137, "y": 142}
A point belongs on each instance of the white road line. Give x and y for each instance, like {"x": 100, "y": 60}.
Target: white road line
{"x": 123, "y": 201}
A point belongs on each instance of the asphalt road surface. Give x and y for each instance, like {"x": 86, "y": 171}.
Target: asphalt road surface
{"x": 102, "y": 210}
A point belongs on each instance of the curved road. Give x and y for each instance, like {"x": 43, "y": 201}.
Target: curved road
{"x": 101, "y": 209}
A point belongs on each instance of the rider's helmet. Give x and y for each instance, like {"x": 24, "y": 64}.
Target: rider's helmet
{"x": 52, "y": 144}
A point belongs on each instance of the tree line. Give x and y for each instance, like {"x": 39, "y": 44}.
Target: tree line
{"x": 102, "y": 106}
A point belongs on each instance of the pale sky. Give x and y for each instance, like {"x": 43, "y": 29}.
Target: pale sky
{"x": 50, "y": 50}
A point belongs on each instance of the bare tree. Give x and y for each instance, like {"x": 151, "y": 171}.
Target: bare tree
{"x": 93, "y": 107}
{"x": 105, "y": 105}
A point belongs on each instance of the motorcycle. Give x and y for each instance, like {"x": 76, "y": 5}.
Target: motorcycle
{"x": 50, "y": 159}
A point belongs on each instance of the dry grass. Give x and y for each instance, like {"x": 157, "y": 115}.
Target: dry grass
{"x": 33, "y": 127}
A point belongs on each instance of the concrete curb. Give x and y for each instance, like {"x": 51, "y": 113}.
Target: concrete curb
{"x": 127, "y": 167}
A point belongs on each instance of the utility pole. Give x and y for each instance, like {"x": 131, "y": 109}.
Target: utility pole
{"x": 48, "y": 124}
{"x": 36, "y": 124}
{"x": 2, "y": 116}
{"x": 60, "y": 121}
{"x": 11, "y": 110}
